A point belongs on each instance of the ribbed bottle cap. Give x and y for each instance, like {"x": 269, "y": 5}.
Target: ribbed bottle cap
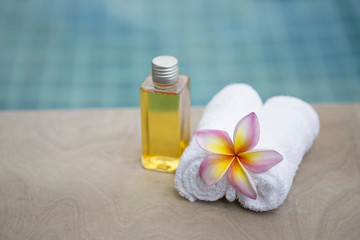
{"x": 165, "y": 70}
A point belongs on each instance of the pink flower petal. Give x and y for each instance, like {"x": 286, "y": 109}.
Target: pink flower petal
{"x": 259, "y": 161}
{"x": 215, "y": 141}
{"x": 241, "y": 180}
{"x": 214, "y": 167}
{"x": 247, "y": 133}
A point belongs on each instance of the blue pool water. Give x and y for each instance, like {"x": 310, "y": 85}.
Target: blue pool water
{"x": 96, "y": 53}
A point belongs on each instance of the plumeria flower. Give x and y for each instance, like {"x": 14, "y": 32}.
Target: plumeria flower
{"x": 236, "y": 159}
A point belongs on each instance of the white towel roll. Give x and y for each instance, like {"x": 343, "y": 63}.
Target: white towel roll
{"x": 287, "y": 125}
{"x": 220, "y": 113}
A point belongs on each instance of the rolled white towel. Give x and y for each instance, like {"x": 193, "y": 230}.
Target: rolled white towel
{"x": 222, "y": 112}
{"x": 287, "y": 125}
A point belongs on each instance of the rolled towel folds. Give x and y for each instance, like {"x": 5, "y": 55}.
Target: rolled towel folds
{"x": 287, "y": 125}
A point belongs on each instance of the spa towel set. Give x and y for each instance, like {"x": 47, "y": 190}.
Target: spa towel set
{"x": 287, "y": 125}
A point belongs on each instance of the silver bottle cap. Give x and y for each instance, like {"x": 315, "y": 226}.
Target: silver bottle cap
{"x": 165, "y": 70}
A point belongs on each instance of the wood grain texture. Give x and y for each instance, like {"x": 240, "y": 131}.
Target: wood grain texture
{"x": 78, "y": 175}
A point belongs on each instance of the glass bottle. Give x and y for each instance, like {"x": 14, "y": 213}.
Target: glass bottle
{"x": 165, "y": 115}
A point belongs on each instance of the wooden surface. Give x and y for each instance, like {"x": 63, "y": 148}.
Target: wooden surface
{"x": 77, "y": 175}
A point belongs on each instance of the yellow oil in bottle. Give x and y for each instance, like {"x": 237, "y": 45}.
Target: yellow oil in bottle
{"x": 165, "y": 123}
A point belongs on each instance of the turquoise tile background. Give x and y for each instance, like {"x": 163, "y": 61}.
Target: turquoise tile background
{"x": 96, "y": 53}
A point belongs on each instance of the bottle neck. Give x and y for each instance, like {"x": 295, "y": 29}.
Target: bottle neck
{"x": 164, "y": 86}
